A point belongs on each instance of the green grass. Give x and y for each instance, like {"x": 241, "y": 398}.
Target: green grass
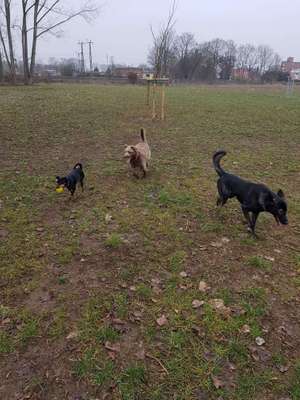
{"x": 260, "y": 263}
{"x": 249, "y": 385}
{"x": 28, "y": 331}
{"x": 121, "y": 305}
{"x": 74, "y": 271}
{"x": 113, "y": 241}
{"x": 100, "y": 371}
{"x": 84, "y": 366}
{"x": 295, "y": 383}
{"x": 6, "y": 345}
{"x": 58, "y": 326}
{"x": 177, "y": 260}
{"x": 131, "y": 381}
{"x": 106, "y": 333}
{"x": 105, "y": 374}
{"x": 144, "y": 291}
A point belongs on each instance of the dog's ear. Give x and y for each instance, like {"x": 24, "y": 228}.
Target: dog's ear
{"x": 280, "y": 194}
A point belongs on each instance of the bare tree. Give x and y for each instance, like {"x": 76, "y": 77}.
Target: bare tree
{"x": 265, "y": 58}
{"x": 161, "y": 53}
{"x": 247, "y": 57}
{"x": 1, "y": 68}
{"x": 227, "y": 59}
{"x": 184, "y": 43}
{"x": 40, "y": 17}
{"x": 183, "y": 48}
{"x": 276, "y": 62}
{"x": 8, "y": 47}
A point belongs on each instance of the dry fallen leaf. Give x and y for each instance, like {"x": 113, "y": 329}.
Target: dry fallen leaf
{"x": 108, "y": 218}
{"x": 203, "y": 287}
{"x": 238, "y": 310}
{"x": 225, "y": 240}
{"x": 231, "y": 366}
{"x": 245, "y": 329}
{"x": 268, "y": 258}
{"x": 260, "y": 341}
{"x": 123, "y": 285}
{"x": 112, "y": 355}
{"x": 114, "y": 347}
{"x": 260, "y": 354}
{"x": 217, "y": 382}
{"x": 183, "y": 274}
{"x": 216, "y": 244}
{"x": 283, "y": 368}
{"x": 218, "y": 305}
{"x": 118, "y": 321}
{"x": 161, "y": 321}
{"x": 140, "y": 354}
{"x": 155, "y": 281}
{"x": 73, "y": 335}
{"x": 197, "y": 303}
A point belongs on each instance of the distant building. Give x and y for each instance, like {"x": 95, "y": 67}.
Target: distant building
{"x": 295, "y": 74}
{"x": 123, "y": 72}
{"x": 289, "y": 65}
{"x": 243, "y": 74}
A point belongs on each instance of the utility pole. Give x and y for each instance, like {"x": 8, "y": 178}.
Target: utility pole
{"x": 90, "y": 55}
{"x": 82, "y": 64}
{"x": 79, "y": 62}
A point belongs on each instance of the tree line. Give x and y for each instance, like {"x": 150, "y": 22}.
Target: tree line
{"x": 182, "y": 57}
{"x": 24, "y": 22}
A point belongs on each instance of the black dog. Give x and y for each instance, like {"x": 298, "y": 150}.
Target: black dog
{"x": 70, "y": 181}
{"x": 254, "y": 198}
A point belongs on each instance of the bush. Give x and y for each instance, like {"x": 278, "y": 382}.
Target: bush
{"x": 132, "y": 77}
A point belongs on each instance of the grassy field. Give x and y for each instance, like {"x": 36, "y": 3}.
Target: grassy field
{"x": 97, "y": 295}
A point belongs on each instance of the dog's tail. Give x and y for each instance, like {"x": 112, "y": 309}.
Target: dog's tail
{"x": 218, "y": 155}
{"x": 78, "y": 165}
{"x": 143, "y": 135}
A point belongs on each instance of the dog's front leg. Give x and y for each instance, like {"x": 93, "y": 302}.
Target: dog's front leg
{"x": 247, "y": 216}
{"x": 253, "y": 222}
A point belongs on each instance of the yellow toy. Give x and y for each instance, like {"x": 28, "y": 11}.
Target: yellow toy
{"x": 60, "y": 189}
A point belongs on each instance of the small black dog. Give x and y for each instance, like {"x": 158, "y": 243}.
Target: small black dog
{"x": 70, "y": 181}
{"x": 254, "y": 198}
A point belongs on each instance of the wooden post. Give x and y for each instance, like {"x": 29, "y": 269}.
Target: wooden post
{"x": 148, "y": 92}
{"x": 153, "y": 101}
{"x": 163, "y": 99}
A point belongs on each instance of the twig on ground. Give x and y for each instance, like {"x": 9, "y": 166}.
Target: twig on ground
{"x": 158, "y": 361}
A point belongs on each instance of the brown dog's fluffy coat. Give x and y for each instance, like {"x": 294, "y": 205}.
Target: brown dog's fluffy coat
{"x": 138, "y": 156}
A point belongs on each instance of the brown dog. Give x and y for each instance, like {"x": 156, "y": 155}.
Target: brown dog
{"x": 138, "y": 156}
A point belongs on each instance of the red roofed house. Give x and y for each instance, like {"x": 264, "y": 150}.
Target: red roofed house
{"x": 289, "y": 65}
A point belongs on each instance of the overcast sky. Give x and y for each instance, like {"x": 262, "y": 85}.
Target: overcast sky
{"x": 122, "y": 27}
